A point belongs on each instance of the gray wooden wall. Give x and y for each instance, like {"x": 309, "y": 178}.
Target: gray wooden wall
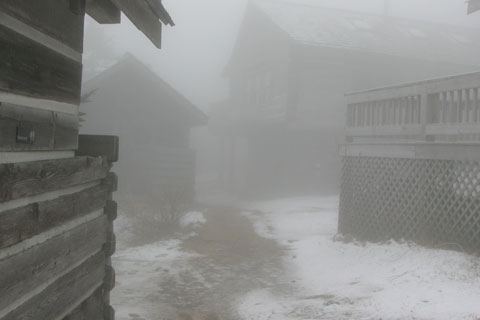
{"x": 56, "y": 208}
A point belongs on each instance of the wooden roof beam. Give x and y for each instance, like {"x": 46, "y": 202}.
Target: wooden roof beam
{"x": 159, "y": 10}
{"x": 103, "y": 11}
{"x": 142, "y": 16}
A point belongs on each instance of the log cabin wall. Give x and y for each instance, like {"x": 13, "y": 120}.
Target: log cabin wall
{"x": 56, "y": 208}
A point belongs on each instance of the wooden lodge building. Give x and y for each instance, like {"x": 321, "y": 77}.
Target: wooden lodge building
{"x": 292, "y": 65}
{"x": 56, "y": 208}
{"x": 153, "y": 122}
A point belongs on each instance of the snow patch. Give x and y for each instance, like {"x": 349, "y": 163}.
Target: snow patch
{"x": 352, "y": 280}
{"x": 138, "y": 272}
{"x": 262, "y": 305}
{"x": 192, "y": 219}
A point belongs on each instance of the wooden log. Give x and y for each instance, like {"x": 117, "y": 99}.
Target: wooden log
{"x": 159, "y": 10}
{"x": 22, "y": 273}
{"x": 60, "y": 19}
{"x": 31, "y": 69}
{"x": 109, "y": 281}
{"x": 106, "y": 293}
{"x": 110, "y": 245}
{"x": 111, "y": 181}
{"x": 62, "y": 294}
{"x": 50, "y": 130}
{"x": 23, "y": 223}
{"x": 141, "y": 15}
{"x": 109, "y": 312}
{"x": 21, "y": 180}
{"x": 103, "y": 11}
{"x": 111, "y": 210}
{"x": 90, "y": 309}
{"x": 94, "y": 145}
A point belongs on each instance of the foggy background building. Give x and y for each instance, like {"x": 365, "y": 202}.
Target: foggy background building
{"x": 153, "y": 122}
{"x": 292, "y": 65}
{"x": 201, "y": 68}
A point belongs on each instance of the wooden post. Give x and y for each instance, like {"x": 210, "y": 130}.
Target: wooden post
{"x": 426, "y": 114}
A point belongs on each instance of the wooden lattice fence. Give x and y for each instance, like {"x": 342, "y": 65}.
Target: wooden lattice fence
{"x": 435, "y": 202}
{"x": 411, "y": 164}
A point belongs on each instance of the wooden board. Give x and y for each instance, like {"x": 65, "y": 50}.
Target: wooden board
{"x": 141, "y": 15}
{"x": 61, "y": 295}
{"x": 111, "y": 208}
{"x": 111, "y": 181}
{"x": 60, "y": 19}
{"x": 158, "y": 9}
{"x": 111, "y": 245}
{"x": 30, "y": 69}
{"x": 53, "y": 131}
{"x": 103, "y": 11}
{"x": 22, "y": 223}
{"x": 90, "y": 309}
{"x": 109, "y": 281}
{"x": 22, "y": 273}
{"x": 21, "y": 180}
{"x": 94, "y": 145}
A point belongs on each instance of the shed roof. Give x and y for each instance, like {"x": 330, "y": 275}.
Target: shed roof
{"x": 320, "y": 26}
{"x": 128, "y": 66}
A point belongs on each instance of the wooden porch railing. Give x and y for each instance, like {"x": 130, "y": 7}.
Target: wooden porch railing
{"x": 446, "y": 109}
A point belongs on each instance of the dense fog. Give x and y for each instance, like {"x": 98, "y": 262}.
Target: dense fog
{"x": 233, "y": 137}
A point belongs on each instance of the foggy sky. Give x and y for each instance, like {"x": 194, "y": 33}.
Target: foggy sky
{"x": 196, "y": 50}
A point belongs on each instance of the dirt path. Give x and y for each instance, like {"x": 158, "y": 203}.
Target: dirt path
{"x": 226, "y": 260}
{"x": 234, "y": 260}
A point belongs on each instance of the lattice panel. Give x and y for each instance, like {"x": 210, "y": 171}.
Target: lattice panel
{"x": 434, "y": 202}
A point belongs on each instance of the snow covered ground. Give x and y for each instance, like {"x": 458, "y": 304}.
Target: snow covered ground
{"x": 282, "y": 259}
{"x": 142, "y": 271}
{"x": 340, "y": 280}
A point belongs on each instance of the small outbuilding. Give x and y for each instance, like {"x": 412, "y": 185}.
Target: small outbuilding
{"x": 153, "y": 122}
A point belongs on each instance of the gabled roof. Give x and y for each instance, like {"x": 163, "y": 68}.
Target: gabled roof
{"x": 128, "y": 66}
{"x": 144, "y": 14}
{"x": 319, "y": 26}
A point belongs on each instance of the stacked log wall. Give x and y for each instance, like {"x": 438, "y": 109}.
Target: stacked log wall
{"x": 56, "y": 207}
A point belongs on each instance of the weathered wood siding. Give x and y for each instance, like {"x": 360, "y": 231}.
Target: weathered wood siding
{"x": 60, "y": 19}
{"x": 56, "y": 208}
{"x": 29, "y": 68}
{"x": 56, "y": 237}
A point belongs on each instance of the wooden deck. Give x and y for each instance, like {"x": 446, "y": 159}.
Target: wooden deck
{"x": 438, "y": 110}
{"x": 411, "y": 163}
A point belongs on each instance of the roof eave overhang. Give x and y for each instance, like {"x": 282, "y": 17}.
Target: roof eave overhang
{"x": 147, "y": 15}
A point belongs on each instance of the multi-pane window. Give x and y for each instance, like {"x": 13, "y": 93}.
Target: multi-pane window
{"x": 258, "y": 88}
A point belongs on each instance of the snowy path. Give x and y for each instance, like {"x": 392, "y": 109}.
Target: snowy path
{"x": 280, "y": 260}
{"x": 200, "y": 277}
